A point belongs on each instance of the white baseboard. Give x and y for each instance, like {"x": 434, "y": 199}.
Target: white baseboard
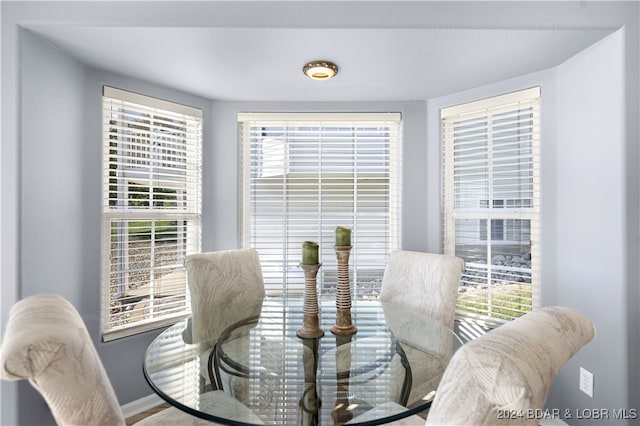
{"x": 139, "y": 405}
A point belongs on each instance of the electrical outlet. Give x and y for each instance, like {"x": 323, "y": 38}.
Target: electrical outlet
{"x": 586, "y": 382}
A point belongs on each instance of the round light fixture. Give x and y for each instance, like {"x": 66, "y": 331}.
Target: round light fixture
{"x": 320, "y": 70}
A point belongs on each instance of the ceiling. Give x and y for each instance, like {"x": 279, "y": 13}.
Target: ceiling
{"x": 260, "y": 63}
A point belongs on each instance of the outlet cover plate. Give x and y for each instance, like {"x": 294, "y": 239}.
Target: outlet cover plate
{"x": 586, "y": 382}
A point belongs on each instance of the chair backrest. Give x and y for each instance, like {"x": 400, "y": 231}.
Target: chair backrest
{"x": 425, "y": 282}
{"x": 510, "y": 368}
{"x": 217, "y": 280}
{"x": 46, "y": 342}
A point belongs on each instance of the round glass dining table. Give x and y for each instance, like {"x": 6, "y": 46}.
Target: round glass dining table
{"x": 257, "y": 371}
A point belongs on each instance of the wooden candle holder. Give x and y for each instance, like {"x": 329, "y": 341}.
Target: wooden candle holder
{"x": 343, "y": 324}
{"x": 310, "y": 322}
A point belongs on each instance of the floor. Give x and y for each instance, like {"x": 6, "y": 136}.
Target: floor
{"x": 134, "y": 419}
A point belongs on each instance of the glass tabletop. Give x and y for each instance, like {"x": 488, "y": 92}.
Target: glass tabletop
{"x": 257, "y": 371}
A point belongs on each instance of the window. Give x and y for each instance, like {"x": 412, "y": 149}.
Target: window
{"x": 306, "y": 174}
{"x": 491, "y": 200}
{"x": 151, "y": 210}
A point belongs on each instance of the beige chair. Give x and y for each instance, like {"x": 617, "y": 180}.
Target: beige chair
{"x": 509, "y": 368}
{"x": 47, "y": 343}
{"x": 413, "y": 283}
{"x": 506, "y": 372}
{"x": 218, "y": 279}
{"x": 426, "y": 283}
{"x": 229, "y": 283}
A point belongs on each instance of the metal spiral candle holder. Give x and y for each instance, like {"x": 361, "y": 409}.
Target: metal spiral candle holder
{"x": 310, "y": 323}
{"x": 343, "y": 324}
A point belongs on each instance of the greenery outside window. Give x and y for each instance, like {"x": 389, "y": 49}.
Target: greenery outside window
{"x": 151, "y": 210}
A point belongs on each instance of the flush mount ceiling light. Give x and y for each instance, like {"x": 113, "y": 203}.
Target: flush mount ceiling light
{"x": 320, "y": 70}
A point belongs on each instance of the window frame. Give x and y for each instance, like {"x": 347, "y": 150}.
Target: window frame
{"x": 152, "y": 193}
{"x": 490, "y": 208}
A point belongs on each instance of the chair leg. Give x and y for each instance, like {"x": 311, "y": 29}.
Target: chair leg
{"x": 211, "y": 365}
{"x": 216, "y": 366}
{"x": 408, "y": 378}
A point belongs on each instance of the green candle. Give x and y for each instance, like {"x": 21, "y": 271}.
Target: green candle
{"x": 343, "y": 236}
{"x": 310, "y": 253}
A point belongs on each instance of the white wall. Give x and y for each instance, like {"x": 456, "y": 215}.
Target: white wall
{"x": 52, "y": 171}
{"x": 9, "y": 197}
{"x": 51, "y": 240}
{"x": 590, "y": 218}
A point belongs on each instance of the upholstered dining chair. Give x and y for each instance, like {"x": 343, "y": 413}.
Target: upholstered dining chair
{"x": 220, "y": 278}
{"x": 510, "y": 368}
{"x": 46, "y": 342}
{"x": 217, "y": 281}
{"x": 426, "y": 283}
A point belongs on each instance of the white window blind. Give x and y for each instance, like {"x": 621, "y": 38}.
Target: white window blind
{"x": 151, "y": 210}
{"x": 306, "y": 174}
{"x": 491, "y": 200}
